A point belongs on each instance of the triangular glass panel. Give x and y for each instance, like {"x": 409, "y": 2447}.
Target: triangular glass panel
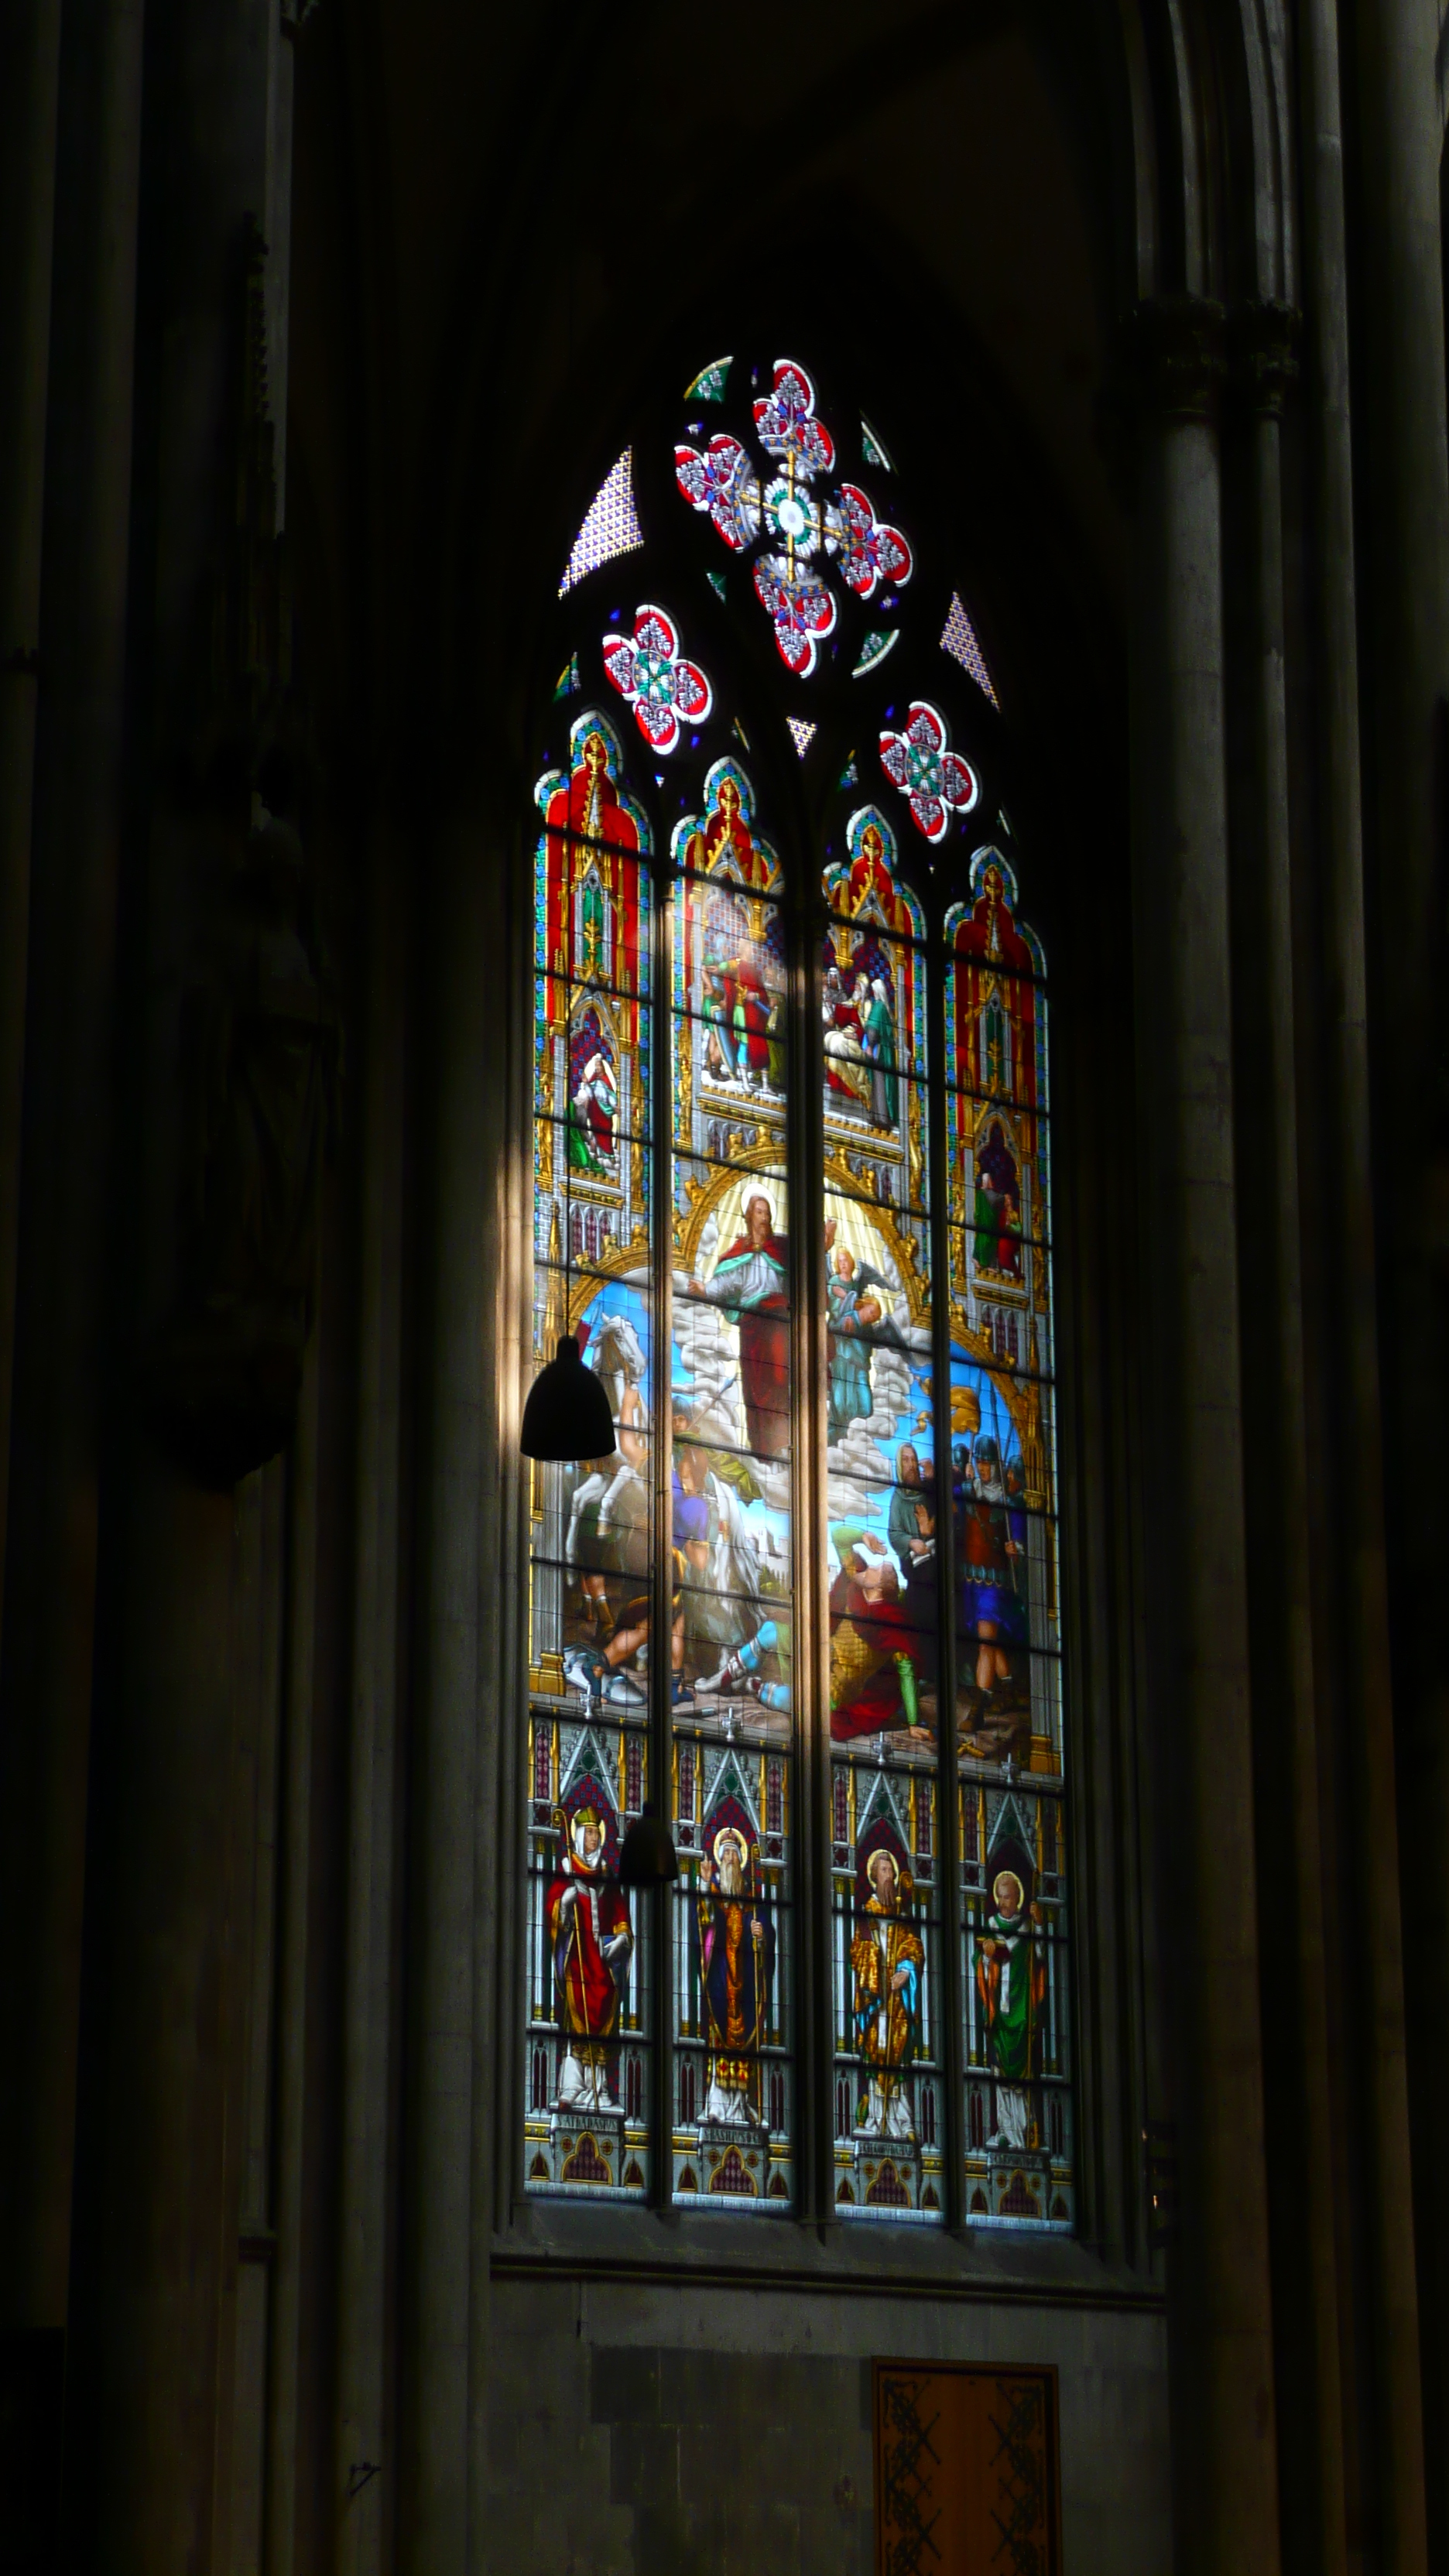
{"x": 958, "y": 638}
{"x": 568, "y": 678}
{"x": 801, "y": 734}
{"x": 872, "y": 450}
{"x": 611, "y": 524}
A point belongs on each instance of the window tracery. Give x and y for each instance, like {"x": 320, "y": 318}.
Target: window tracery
{"x": 715, "y": 923}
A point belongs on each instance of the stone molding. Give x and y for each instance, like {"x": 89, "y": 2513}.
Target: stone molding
{"x": 1263, "y": 345}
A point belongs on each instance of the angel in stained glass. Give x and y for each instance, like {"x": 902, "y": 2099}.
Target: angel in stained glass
{"x": 851, "y": 1310}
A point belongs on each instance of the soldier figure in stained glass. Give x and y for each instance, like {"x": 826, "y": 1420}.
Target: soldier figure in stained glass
{"x": 991, "y": 1544}
{"x": 736, "y": 1965}
{"x": 1011, "y": 1982}
{"x": 888, "y": 1962}
{"x": 592, "y": 1942}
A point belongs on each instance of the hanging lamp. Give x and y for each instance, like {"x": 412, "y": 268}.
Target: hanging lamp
{"x": 648, "y": 1858}
{"x": 567, "y": 1415}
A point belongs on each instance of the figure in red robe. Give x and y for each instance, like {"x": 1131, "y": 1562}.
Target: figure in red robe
{"x": 592, "y": 1941}
{"x": 751, "y": 1284}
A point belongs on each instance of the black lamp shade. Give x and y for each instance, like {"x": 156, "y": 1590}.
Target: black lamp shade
{"x": 567, "y": 1415}
{"x": 648, "y": 1857}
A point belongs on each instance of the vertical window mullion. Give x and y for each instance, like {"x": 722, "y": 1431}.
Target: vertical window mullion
{"x": 815, "y": 2024}
{"x": 661, "y": 1626}
{"x": 951, "y": 1904}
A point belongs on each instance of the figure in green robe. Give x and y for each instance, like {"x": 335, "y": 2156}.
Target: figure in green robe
{"x": 1011, "y": 1983}
{"x": 878, "y": 1042}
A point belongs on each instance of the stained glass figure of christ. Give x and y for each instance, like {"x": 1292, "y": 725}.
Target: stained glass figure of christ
{"x": 684, "y": 973}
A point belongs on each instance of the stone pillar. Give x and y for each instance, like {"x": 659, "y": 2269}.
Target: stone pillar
{"x": 1220, "y": 2312}
{"x": 455, "y": 1692}
{"x": 1395, "y": 146}
{"x": 71, "y": 854}
{"x": 1292, "y": 1735}
{"x": 208, "y": 1274}
{"x": 29, "y": 83}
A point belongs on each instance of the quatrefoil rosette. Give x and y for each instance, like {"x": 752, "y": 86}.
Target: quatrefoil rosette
{"x": 806, "y": 529}
{"x": 920, "y": 762}
{"x": 665, "y": 689}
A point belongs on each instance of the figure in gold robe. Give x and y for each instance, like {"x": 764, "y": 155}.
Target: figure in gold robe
{"x": 888, "y": 1963}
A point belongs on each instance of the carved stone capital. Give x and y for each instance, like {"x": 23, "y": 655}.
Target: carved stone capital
{"x": 1174, "y": 358}
{"x": 1263, "y": 341}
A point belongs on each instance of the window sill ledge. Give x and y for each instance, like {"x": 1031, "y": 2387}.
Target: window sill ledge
{"x": 639, "y": 2245}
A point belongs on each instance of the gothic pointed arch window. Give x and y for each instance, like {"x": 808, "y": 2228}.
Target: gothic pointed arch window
{"x": 792, "y": 1196}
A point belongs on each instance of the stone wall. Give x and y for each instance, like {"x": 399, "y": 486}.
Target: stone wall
{"x": 700, "y": 2430}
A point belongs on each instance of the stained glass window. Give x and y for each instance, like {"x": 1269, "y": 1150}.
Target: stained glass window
{"x": 791, "y": 1196}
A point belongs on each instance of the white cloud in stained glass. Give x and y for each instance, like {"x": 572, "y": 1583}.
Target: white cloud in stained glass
{"x": 611, "y": 524}
{"x": 801, "y": 734}
{"x": 958, "y": 638}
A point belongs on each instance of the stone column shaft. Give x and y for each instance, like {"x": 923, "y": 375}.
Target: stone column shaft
{"x": 29, "y": 97}
{"x": 437, "y": 2529}
{"x": 1396, "y": 145}
{"x": 1219, "y": 2300}
{"x": 73, "y": 859}
{"x": 169, "y": 1860}
{"x": 1293, "y": 1725}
